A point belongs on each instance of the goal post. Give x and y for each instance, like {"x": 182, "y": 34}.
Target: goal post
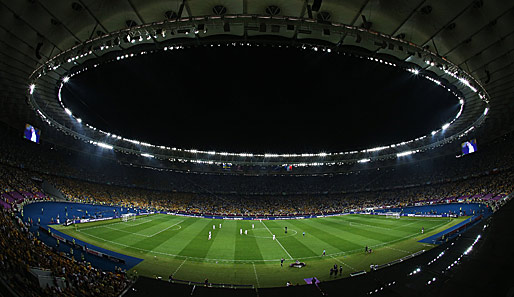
{"x": 128, "y": 217}
{"x": 392, "y": 215}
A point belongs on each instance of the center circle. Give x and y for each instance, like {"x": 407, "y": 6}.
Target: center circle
{"x": 258, "y": 99}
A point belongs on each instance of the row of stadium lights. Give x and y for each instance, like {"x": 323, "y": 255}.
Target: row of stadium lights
{"x": 456, "y": 262}
{"x": 382, "y": 288}
{"x": 266, "y": 155}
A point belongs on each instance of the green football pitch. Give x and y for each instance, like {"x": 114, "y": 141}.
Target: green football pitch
{"x": 244, "y": 252}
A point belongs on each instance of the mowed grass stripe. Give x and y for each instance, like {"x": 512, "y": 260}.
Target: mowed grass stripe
{"x": 361, "y": 227}
{"x": 134, "y": 227}
{"x": 290, "y": 242}
{"x": 223, "y": 240}
{"x": 247, "y": 247}
{"x": 198, "y": 246}
{"x": 269, "y": 248}
{"x": 156, "y": 226}
{"x": 173, "y": 242}
{"x": 147, "y": 244}
{"x": 113, "y": 224}
{"x": 376, "y": 220}
{"x": 240, "y": 251}
{"x": 385, "y": 224}
{"x": 358, "y": 236}
{"x": 378, "y": 226}
{"x": 319, "y": 239}
{"x": 114, "y": 235}
{"x": 374, "y": 223}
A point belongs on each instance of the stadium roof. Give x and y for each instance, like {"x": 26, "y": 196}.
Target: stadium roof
{"x": 476, "y": 36}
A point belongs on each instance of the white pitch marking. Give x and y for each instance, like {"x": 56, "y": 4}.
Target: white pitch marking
{"x": 244, "y": 260}
{"x": 256, "y": 277}
{"x": 399, "y": 250}
{"x": 158, "y": 232}
{"x": 343, "y": 263}
{"x": 276, "y": 239}
{"x": 176, "y": 270}
{"x": 125, "y": 223}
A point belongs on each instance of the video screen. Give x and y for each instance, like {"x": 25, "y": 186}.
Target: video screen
{"x": 32, "y": 133}
{"x": 469, "y": 147}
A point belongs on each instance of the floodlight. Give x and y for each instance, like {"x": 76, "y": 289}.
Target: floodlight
{"x": 66, "y": 79}
{"x": 403, "y": 154}
{"x": 104, "y": 145}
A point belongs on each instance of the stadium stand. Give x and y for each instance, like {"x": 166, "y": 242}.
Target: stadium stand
{"x": 483, "y": 178}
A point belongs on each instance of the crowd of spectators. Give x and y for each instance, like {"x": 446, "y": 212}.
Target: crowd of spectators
{"x": 118, "y": 169}
{"x": 471, "y": 190}
{"x": 21, "y": 250}
{"x": 87, "y": 178}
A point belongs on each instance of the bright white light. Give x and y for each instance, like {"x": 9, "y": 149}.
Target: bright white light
{"x": 104, "y": 145}
{"x": 79, "y": 120}
{"x": 147, "y": 155}
{"x": 486, "y": 110}
{"x": 66, "y": 79}
{"x": 445, "y": 126}
{"x": 406, "y": 153}
{"x": 364, "y": 160}
{"x": 67, "y": 111}
{"x": 434, "y": 132}
{"x": 413, "y": 70}
{"x": 31, "y": 88}
{"x": 376, "y": 149}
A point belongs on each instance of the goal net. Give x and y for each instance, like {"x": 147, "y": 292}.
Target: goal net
{"x": 128, "y": 217}
{"x": 392, "y": 215}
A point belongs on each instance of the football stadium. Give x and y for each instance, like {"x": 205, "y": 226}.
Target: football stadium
{"x": 256, "y": 148}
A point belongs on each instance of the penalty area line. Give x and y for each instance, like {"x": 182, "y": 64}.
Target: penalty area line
{"x": 158, "y": 232}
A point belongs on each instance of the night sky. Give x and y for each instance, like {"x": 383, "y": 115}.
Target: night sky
{"x": 249, "y": 99}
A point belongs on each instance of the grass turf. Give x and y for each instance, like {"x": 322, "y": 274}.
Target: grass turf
{"x": 180, "y": 245}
